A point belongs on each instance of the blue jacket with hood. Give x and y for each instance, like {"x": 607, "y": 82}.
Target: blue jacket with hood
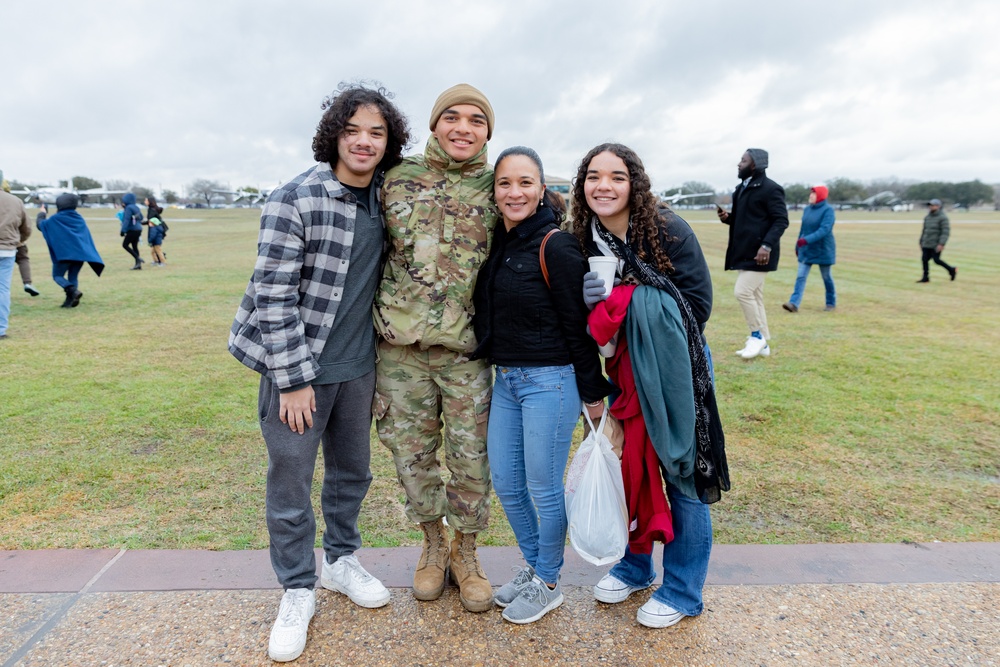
{"x": 132, "y": 216}
{"x": 817, "y": 230}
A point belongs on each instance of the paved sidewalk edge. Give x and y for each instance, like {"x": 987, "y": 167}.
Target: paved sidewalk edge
{"x": 70, "y": 571}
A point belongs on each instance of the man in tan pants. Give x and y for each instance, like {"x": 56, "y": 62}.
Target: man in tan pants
{"x": 756, "y": 223}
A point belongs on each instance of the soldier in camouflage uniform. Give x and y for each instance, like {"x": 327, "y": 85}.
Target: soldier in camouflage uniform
{"x": 429, "y": 393}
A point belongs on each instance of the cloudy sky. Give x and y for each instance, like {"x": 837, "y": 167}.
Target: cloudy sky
{"x": 162, "y": 93}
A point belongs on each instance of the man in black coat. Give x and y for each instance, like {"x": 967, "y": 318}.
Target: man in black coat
{"x": 756, "y": 223}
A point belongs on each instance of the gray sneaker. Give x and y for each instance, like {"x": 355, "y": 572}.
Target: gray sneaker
{"x": 513, "y": 588}
{"x": 535, "y": 600}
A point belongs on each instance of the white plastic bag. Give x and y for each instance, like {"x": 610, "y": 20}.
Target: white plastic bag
{"x": 595, "y": 499}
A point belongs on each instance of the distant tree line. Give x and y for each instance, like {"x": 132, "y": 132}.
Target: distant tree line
{"x": 967, "y": 193}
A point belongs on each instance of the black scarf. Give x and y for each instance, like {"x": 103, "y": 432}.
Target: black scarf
{"x": 712, "y": 471}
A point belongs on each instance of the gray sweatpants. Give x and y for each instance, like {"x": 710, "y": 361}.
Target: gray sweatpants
{"x": 342, "y": 423}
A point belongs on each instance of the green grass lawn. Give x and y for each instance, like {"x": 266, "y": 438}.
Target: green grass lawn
{"x": 125, "y": 422}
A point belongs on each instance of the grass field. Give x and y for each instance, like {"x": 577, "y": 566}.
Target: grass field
{"x": 125, "y": 422}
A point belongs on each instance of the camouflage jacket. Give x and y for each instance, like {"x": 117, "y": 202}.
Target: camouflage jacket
{"x": 440, "y": 217}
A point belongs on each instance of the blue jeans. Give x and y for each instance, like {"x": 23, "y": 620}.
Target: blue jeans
{"x": 6, "y": 275}
{"x": 800, "y": 284}
{"x": 71, "y": 270}
{"x": 532, "y": 417}
{"x": 685, "y": 559}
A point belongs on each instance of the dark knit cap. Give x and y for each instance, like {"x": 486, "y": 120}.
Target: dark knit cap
{"x": 759, "y": 157}
{"x": 67, "y": 201}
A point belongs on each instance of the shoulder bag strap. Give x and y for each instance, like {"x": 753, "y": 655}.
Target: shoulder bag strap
{"x": 541, "y": 257}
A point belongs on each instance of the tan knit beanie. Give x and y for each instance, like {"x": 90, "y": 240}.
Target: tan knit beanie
{"x": 463, "y": 93}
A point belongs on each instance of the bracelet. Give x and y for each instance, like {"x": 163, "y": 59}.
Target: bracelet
{"x": 594, "y": 404}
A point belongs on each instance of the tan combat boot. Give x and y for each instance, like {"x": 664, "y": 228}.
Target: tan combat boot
{"x": 474, "y": 588}
{"x": 428, "y": 580}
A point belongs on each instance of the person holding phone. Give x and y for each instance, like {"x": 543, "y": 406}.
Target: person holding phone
{"x": 756, "y": 223}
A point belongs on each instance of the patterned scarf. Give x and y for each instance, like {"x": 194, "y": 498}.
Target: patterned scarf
{"x": 712, "y": 477}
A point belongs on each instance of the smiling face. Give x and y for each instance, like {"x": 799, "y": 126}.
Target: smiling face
{"x": 361, "y": 147}
{"x": 518, "y": 189}
{"x": 462, "y": 131}
{"x": 607, "y": 189}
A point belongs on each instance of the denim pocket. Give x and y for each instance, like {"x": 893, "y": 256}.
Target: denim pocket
{"x": 547, "y": 377}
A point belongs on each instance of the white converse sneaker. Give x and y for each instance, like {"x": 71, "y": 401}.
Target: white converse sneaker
{"x": 348, "y": 577}
{"x": 288, "y": 635}
{"x": 655, "y": 614}
{"x": 612, "y": 590}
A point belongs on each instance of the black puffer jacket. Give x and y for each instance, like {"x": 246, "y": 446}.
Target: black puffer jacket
{"x": 520, "y": 321}
{"x": 759, "y": 217}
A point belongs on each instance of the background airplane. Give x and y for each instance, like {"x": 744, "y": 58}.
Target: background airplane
{"x": 48, "y": 194}
{"x": 678, "y": 196}
{"x": 884, "y": 199}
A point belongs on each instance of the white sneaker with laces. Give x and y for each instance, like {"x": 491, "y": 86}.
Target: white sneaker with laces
{"x": 288, "y": 635}
{"x": 655, "y": 614}
{"x": 612, "y": 590}
{"x": 756, "y": 347}
{"x": 348, "y": 577}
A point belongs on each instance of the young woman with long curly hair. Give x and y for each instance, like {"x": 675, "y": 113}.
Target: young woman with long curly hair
{"x": 663, "y": 368}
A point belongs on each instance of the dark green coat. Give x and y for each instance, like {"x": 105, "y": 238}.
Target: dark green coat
{"x": 936, "y": 229}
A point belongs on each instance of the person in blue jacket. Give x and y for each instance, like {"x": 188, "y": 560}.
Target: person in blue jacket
{"x": 132, "y": 229}
{"x": 70, "y": 246}
{"x": 816, "y": 245}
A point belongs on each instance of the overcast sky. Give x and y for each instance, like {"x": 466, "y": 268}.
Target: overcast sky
{"x": 162, "y": 93}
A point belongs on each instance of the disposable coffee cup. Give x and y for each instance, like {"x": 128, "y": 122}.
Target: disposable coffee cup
{"x": 606, "y": 268}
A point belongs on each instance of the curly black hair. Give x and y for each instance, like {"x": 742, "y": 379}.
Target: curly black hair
{"x": 342, "y": 104}
{"x": 645, "y": 219}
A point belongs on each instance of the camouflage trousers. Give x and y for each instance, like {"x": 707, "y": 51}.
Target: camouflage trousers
{"x": 426, "y": 399}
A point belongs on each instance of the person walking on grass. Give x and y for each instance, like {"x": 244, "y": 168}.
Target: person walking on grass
{"x": 937, "y": 229}
{"x": 756, "y": 223}
{"x": 815, "y": 245}
{"x": 21, "y": 258}
{"x": 14, "y": 231}
{"x": 534, "y": 329}
{"x": 430, "y": 394}
{"x": 70, "y": 246}
{"x": 157, "y": 231}
{"x": 131, "y": 229}
{"x": 305, "y": 324}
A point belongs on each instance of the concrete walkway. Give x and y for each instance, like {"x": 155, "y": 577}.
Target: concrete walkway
{"x": 836, "y": 604}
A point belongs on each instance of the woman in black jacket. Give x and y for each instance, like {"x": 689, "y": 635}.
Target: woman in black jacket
{"x": 534, "y": 331}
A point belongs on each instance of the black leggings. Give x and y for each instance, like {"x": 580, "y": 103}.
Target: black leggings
{"x": 928, "y": 255}
{"x": 131, "y": 243}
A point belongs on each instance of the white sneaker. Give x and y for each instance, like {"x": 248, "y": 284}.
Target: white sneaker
{"x": 288, "y": 635}
{"x": 746, "y": 343}
{"x": 612, "y": 590}
{"x": 756, "y": 347}
{"x": 348, "y": 577}
{"x": 655, "y": 614}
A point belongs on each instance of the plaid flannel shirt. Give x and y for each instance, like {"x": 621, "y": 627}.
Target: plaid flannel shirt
{"x": 303, "y": 253}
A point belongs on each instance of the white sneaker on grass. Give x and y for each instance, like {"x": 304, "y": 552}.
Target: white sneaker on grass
{"x": 513, "y": 588}
{"x": 756, "y": 347}
{"x": 612, "y": 590}
{"x": 535, "y": 600}
{"x": 290, "y": 630}
{"x": 655, "y": 614}
{"x": 348, "y": 577}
